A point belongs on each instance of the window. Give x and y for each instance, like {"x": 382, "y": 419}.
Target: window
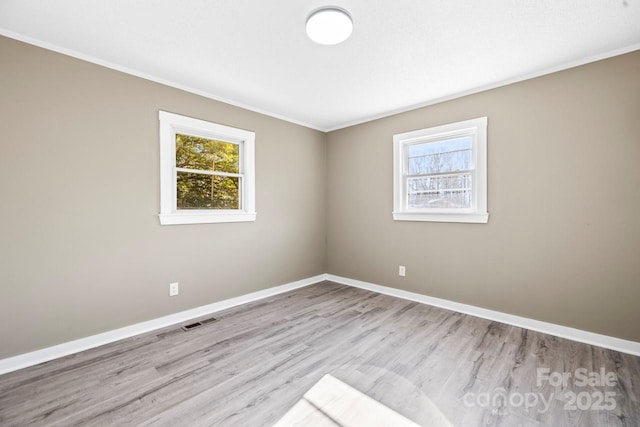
{"x": 440, "y": 173}
{"x": 207, "y": 172}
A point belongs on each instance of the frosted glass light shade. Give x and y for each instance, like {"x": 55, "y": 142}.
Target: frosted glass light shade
{"x": 329, "y": 26}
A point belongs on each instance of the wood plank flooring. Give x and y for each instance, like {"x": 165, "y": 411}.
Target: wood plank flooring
{"x": 255, "y": 363}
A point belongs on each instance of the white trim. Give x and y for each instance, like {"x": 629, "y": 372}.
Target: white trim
{"x": 483, "y": 88}
{"x": 44, "y": 355}
{"x": 544, "y": 71}
{"x": 88, "y": 58}
{"x": 618, "y": 344}
{"x": 481, "y": 218}
{"x": 170, "y": 125}
{"x": 476, "y": 129}
{"x": 179, "y": 218}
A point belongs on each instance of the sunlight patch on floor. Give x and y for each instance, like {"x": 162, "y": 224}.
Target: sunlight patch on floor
{"x": 330, "y": 402}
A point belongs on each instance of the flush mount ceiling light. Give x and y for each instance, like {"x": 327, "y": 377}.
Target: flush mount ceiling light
{"x": 329, "y": 25}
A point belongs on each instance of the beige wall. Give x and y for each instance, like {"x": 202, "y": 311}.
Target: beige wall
{"x": 563, "y": 240}
{"x": 82, "y": 250}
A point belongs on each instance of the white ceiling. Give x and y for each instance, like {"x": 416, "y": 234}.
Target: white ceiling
{"x": 402, "y": 54}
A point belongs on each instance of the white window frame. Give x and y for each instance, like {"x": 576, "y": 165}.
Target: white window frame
{"x": 170, "y": 125}
{"x": 477, "y": 213}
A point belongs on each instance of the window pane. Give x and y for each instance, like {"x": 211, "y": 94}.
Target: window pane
{"x": 450, "y": 155}
{"x": 451, "y": 191}
{"x": 193, "y": 152}
{"x": 199, "y": 191}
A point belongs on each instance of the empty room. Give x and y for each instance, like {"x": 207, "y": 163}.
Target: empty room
{"x": 306, "y": 213}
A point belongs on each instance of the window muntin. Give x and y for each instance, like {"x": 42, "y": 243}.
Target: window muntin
{"x": 440, "y": 173}
{"x": 207, "y": 171}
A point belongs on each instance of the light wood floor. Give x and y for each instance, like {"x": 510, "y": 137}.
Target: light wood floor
{"x": 429, "y": 365}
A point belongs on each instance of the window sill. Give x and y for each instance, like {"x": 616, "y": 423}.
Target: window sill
{"x": 475, "y": 217}
{"x": 205, "y": 218}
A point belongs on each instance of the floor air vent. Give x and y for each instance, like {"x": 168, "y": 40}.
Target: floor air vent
{"x": 198, "y": 324}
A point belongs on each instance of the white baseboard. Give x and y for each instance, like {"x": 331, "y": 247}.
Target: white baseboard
{"x": 618, "y": 344}
{"x": 44, "y": 355}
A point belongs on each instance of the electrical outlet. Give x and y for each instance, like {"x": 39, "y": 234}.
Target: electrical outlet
{"x": 402, "y": 271}
{"x": 173, "y": 289}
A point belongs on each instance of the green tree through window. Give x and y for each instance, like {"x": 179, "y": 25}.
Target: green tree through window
{"x": 208, "y": 173}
